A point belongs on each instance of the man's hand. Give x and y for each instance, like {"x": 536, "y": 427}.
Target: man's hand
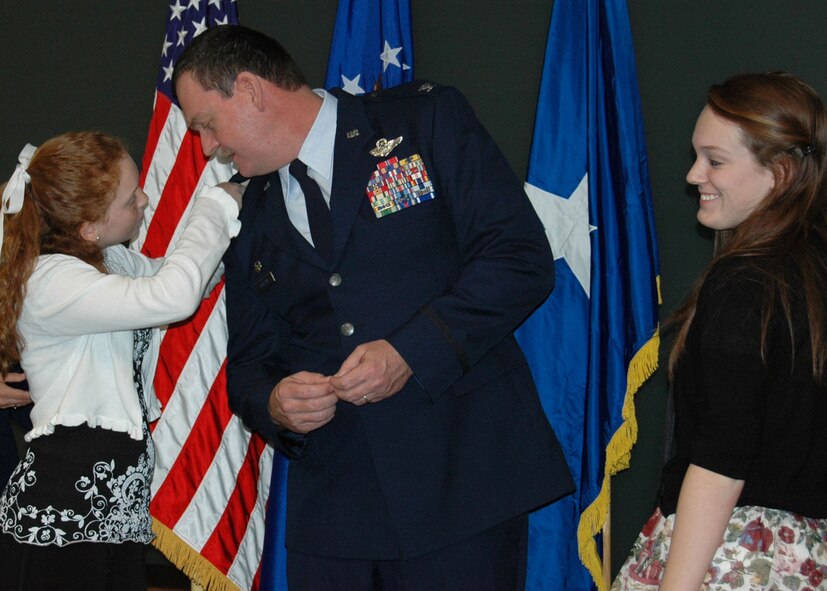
{"x": 12, "y": 397}
{"x": 373, "y": 372}
{"x": 302, "y": 402}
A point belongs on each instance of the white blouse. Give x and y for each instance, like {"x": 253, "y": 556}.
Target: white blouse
{"x": 77, "y": 322}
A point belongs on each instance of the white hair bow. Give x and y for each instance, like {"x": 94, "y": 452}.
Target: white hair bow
{"x": 16, "y": 187}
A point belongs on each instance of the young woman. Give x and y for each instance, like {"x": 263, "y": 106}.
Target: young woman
{"x": 744, "y": 499}
{"x": 76, "y": 305}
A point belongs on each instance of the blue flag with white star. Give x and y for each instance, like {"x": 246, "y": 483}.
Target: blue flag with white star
{"x": 372, "y": 46}
{"x": 594, "y": 341}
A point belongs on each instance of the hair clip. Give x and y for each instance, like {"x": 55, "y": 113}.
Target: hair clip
{"x": 808, "y": 149}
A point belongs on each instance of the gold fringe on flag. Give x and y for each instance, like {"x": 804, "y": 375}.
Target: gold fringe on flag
{"x": 618, "y": 453}
{"x": 200, "y": 570}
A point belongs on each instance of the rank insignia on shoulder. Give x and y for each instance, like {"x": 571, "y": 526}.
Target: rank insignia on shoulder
{"x": 385, "y": 147}
{"x": 427, "y": 87}
{"x": 399, "y": 184}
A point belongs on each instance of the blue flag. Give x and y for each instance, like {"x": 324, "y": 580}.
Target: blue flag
{"x": 372, "y": 46}
{"x": 594, "y": 341}
{"x": 274, "y": 554}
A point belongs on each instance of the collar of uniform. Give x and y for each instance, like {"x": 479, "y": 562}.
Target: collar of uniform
{"x": 317, "y": 150}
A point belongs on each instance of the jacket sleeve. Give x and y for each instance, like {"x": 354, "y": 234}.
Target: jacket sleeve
{"x": 507, "y": 265}
{"x": 256, "y": 359}
{"x": 70, "y": 297}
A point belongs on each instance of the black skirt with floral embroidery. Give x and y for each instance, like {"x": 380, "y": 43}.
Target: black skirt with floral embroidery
{"x": 83, "y": 484}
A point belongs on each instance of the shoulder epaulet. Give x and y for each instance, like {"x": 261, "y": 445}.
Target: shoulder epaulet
{"x": 407, "y": 90}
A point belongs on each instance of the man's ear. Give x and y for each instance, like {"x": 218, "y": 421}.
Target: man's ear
{"x": 89, "y": 232}
{"x": 248, "y": 86}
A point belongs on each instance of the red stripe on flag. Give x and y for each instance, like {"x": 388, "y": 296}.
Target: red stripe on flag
{"x": 196, "y": 456}
{"x": 222, "y": 546}
{"x": 177, "y": 346}
{"x": 156, "y": 127}
{"x": 189, "y": 164}
{"x": 257, "y": 579}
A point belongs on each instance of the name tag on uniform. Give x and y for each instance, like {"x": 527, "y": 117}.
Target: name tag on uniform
{"x": 399, "y": 184}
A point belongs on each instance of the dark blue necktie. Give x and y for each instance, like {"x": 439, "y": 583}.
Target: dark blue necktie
{"x": 318, "y": 213}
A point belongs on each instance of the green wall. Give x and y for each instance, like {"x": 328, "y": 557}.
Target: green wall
{"x": 77, "y": 64}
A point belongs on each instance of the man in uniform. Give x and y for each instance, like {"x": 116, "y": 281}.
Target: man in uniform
{"x": 387, "y": 254}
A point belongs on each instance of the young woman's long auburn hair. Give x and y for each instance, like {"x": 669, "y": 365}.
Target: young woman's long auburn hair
{"x": 74, "y": 178}
{"x": 784, "y": 125}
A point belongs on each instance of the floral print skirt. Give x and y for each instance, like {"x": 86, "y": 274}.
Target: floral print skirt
{"x": 762, "y": 549}
{"x": 80, "y": 484}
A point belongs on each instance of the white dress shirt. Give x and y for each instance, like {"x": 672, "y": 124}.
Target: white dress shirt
{"x": 317, "y": 153}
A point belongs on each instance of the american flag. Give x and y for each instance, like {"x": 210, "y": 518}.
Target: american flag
{"x": 211, "y": 476}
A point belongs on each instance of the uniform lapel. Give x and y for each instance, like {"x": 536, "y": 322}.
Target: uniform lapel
{"x": 271, "y": 220}
{"x": 352, "y": 166}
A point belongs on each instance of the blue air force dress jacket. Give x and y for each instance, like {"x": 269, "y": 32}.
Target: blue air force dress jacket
{"x": 465, "y": 444}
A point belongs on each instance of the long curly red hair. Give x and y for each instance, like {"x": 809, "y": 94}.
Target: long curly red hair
{"x": 74, "y": 178}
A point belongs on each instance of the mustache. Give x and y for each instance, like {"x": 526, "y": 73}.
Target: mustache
{"x": 224, "y": 155}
